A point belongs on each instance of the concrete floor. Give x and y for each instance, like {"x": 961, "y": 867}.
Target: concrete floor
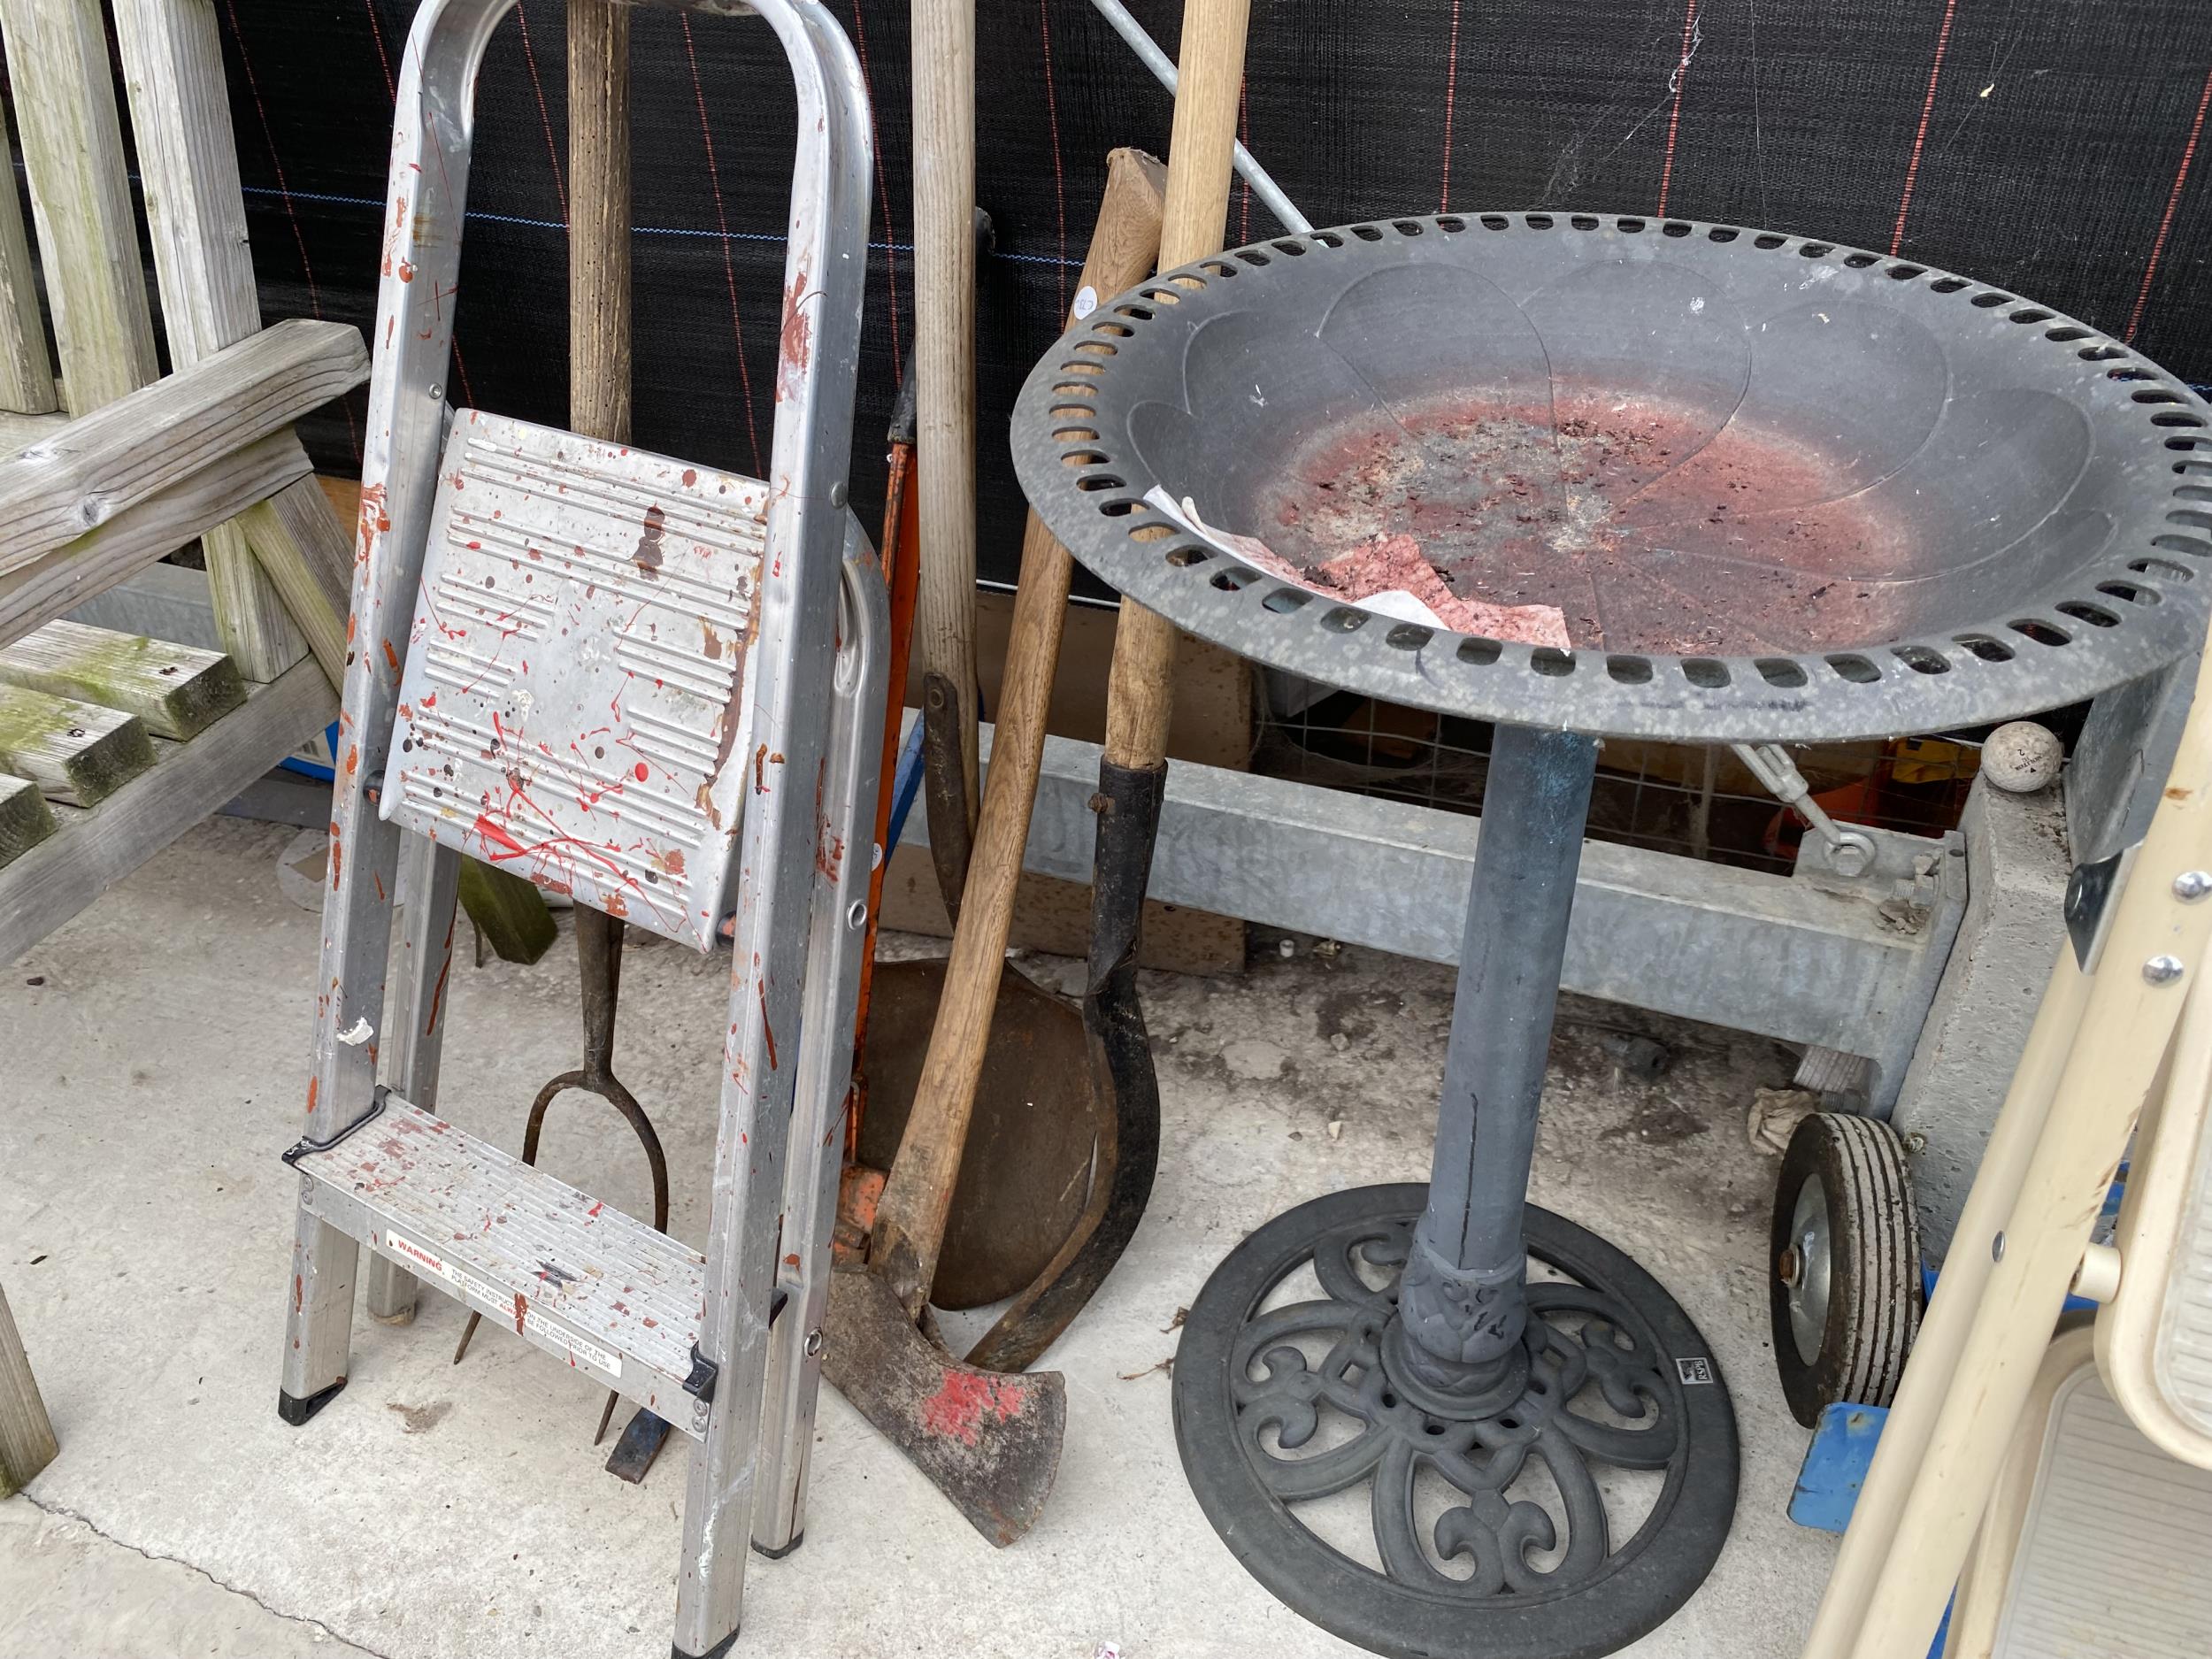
{"x": 153, "y": 1055}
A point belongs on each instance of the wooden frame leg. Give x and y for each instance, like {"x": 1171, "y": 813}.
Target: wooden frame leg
{"x": 26, "y": 1435}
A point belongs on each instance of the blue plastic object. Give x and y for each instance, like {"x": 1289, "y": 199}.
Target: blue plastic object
{"x": 1835, "y": 1465}
{"x": 1834, "y": 1470}
{"x": 906, "y": 782}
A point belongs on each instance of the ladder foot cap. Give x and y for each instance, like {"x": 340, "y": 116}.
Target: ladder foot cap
{"x": 295, "y": 1410}
{"x": 797, "y": 1538}
{"x": 715, "y": 1652}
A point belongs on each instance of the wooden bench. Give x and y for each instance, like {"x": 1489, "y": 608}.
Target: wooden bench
{"x": 113, "y": 742}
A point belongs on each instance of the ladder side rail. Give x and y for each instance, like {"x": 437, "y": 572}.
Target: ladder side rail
{"x": 836, "y": 950}
{"x": 429, "y": 884}
{"x": 787, "y": 683}
{"x": 432, "y": 132}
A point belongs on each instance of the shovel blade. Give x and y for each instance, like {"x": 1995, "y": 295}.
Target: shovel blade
{"x": 989, "y": 1442}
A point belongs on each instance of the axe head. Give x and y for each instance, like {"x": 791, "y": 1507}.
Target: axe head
{"x": 989, "y": 1442}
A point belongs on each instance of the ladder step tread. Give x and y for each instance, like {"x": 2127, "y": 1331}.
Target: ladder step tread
{"x": 575, "y": 710}
{"x": 582, "y": 1279}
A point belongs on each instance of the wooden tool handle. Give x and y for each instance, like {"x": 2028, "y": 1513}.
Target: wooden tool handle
{"x": 943, "y": 32}
{"x": 1140, "y": 696}
{"x": 599, "y": 219}
{"x": 911, "y": 1215}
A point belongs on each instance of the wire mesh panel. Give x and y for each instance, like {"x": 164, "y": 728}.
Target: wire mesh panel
{"x": 1695, "y": 800}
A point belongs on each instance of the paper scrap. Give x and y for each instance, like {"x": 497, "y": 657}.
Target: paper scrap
{"x": 1389, "y": 577}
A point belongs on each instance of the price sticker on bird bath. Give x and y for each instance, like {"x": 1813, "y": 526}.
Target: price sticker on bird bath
{"x": 1693, "y": 1371}
{"x": 501, "y": 1304}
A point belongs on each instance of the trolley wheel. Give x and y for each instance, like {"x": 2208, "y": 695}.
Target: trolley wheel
{"x": 1846, "y": 1283}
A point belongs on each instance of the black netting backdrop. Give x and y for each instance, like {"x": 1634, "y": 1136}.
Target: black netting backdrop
{"x": 2049, "y": 146}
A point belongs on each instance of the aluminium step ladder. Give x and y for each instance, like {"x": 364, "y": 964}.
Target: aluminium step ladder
{"x": 657, "y": 689}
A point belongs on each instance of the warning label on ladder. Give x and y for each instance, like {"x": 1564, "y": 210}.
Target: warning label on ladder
{"x": 500, "y": 1304}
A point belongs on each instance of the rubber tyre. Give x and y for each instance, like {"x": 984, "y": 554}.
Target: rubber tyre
{"x": 1874, "y": 1288}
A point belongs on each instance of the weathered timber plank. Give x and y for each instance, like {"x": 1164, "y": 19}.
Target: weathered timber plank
{"x": 110, "y": 461}
{"x": 18, "y": 431}
{"x": 178, "y": 691}
{"x": 27, "y": 1436}
{"x": 73, "y": 149}
{"x": 27, "y": 373}
{"x": 170, "y": 601}
{"x": 59, "y": 877}
{"x": 72, "y": 573}
{"x": 187, "y": 166}
{"x": 73, "y": 751}
{"x": 307, "y": 553}
{"x": 25, "y": 818}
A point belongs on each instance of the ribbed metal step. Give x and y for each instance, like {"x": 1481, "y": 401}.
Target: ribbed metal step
{"x": 587, "y": 1283}
{"x": 2110, "y": 1560}
{"x": 573, "y": 706}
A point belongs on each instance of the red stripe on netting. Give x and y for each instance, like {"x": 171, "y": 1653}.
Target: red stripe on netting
{"x": 1920, "y": 137}
{"x": 1451, "y": 100}
{"x": 2173, "y": 201}
{"x": 890, "y": 239}
{"x": 1059, "y": 166}
{"x": 376, "y": 33}
{"x": 545, "y": 121}
{"x": 1244, "y": 137}
{"x": 1674, "y": 116}
{"x": 729, "y": 269}
{"x": 284, "y": 193}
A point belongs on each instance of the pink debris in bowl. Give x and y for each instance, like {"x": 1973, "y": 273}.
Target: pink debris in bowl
{"x": 1396, "y": 564}
{"x": 1389, "y": 576}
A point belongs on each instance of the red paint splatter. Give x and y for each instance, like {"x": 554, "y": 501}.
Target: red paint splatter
{"x": 437, "y": 991}
{"x": 493, "y": 835}
{"x": 314, "y": 1083}
{"x": 640, "y": 771}
{"x": 798, "y": 342}
{"x": 353, "y": 758}
{"x": 767, "y": 1032}
{"x": 391, "y": 656}
{"x": 691, "y": 475}
{"x": 522, "y": 1307}
{"x": 956, "y": 1409}
{"x": 299, "y": 1293}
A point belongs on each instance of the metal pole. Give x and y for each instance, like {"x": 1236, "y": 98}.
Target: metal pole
{"x": 1148, "y": 53}
{"x": 1462, "y": 1300}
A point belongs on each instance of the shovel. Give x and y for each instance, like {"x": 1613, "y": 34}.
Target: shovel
{"x": 990, "y": 1441}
